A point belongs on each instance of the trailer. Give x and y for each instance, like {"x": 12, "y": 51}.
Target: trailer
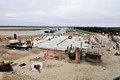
{"x": 93, "y": 57}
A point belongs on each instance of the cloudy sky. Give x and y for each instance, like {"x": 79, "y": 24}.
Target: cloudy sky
{"x": 60, "y": 12}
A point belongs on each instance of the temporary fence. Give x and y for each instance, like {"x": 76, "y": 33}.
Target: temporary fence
{"x": 53, "y": 54}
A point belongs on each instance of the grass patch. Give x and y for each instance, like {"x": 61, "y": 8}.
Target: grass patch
{"x": 71, "y": 30}
{"x": 83, "y": 31}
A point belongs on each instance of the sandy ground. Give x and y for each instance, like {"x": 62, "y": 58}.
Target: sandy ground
{"x": 62, "y": 70}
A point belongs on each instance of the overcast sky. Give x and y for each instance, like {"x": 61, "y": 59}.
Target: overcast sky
{"x": 60, "y": 12}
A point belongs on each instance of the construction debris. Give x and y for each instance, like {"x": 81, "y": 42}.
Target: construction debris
{"x": 5, "y": 67}
{"x": 37, "y": 66}
{"x": 23, "y": 64}
{"x": 117, "y": 54}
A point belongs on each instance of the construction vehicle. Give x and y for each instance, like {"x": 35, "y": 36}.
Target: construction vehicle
{"x": 93, "y": 57}
{"x": 69, "y": 37}
{"x": 50, "y": 31}
{"x": 74, "y": 55}
{"x": 20, "y": 45}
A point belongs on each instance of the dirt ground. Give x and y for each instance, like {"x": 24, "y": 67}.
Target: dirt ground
{"x": 108, "y": 69}
{"x": 5, "y": 39}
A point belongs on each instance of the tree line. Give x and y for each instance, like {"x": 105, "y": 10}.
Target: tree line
{"x": 110, "y": 30}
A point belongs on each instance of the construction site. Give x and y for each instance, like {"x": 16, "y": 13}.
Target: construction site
{"x": 63, "y": 54}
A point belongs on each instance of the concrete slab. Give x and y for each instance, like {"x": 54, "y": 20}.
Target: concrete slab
{"x": 61, "y": 43}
